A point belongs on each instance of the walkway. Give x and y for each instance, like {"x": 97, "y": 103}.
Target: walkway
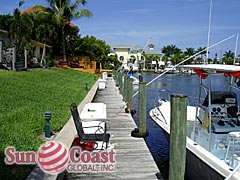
{"x": 133, "y": 159}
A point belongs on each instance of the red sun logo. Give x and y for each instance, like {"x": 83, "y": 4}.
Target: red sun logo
{"x": 52, "y": 157}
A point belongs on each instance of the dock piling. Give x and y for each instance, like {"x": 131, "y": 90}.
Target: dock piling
{"x": 1, "y": 43}
{"x": 129, "y": 94}
{"x": 142, "y": 107}
{"x": 121, "y": 83}
{"x": 178, "y": 136}
{"x": 142, "y": 130}
{"x": 125, "y": 88}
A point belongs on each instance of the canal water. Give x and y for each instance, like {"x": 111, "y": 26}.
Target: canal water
{"x": 171, "y": 83}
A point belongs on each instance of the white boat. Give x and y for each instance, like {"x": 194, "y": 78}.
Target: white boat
{"x": 129, "y": 67}
{"x": 213, "y": 126}
{"x": 171, "y": 69}
{"x": 135, "y": 80}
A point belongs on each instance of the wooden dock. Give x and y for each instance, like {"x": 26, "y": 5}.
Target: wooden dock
{"x": 133, "y": 159}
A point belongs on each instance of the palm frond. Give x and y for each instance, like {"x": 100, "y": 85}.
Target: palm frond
{"x": 20, "y": 3}
{"x": 82, "y": 13}
{"x": 76, "y": 3}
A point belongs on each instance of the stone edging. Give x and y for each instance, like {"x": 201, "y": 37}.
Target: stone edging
{"x": 65, "y": 136}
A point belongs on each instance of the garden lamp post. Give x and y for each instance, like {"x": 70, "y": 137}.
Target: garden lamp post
{"x": 86, "y": 86}
{"x": 48, "y": 116}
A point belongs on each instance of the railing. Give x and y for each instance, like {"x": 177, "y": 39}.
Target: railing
{"x": 232, "y": 173}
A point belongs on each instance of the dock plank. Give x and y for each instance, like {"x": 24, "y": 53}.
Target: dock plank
{"x": 133, "y": 159}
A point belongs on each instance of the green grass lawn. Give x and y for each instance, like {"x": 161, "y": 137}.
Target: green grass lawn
{"x": 24, "y": 97}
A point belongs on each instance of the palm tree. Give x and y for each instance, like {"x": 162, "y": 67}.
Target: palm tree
{"x": 203, "y": 51}
{"x": 229, "y": 54}
{"x": 228, "y": 57}
{"x": 190, "y": 52}
{"x": 20, "y": 28}
{"x": 44, "y": 31}
{"x": 178, "y": 57}
{"x": 63, "y": 12}
{"x": 170, "y": 50}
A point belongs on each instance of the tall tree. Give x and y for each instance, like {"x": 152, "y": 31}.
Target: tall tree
{"x": 178, "y": 57}
{"x": 20, "y": 28}
{"x": 45, "y": 31}
{"x": 4, "y": 19}
{"x": 229, "y": 54}
{"x": 203, "y": 52}
{"x": 96, "y": 49}
{"x": 170, "y": 50}
{"x": 63, "y": 12}
{"x": 189, "y": 52}
{"x": 228, "y": 57}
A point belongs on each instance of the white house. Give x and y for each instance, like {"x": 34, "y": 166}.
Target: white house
{"x": 126, "y": 52}
{"x": 132, "y": 54}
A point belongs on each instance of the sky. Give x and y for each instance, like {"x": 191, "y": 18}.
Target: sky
{"x": 183, "y": 23}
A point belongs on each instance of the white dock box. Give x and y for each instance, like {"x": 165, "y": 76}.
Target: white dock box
{"x": 101, "y": 84}
{"x": 104, "y": 75}
{"x": 94, "y": 111}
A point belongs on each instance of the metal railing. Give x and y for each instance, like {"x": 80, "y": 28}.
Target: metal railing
{"x": 232, "y": 173}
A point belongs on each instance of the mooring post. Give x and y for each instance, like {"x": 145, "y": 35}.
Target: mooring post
{"x": 125, "y": 93}
{"x": 0, "y": 51}
{"x": 116, "y": 78}
{"x": 178, "y": 126}
{"x": 13, "y": 58}
{"x": 114, "y": 74}
{"x": 129, "y": 94}
{"x": 25, "y": 57}
{"x": 142, "y": 108}
{"x": 120, "y": 82}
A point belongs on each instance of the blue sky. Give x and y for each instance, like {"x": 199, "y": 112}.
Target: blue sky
{"x": 183, "y": 23}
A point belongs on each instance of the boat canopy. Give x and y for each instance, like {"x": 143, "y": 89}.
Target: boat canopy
{"x": 217, "y": 67}
{"x": 203, "y": 69}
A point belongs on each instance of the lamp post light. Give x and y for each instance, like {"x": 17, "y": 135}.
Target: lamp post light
{"x": 86, "y": 86}
{"x": 48, "y": 116}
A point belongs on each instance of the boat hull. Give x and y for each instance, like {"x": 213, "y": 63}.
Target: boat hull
{"x": 196, "y": 168}
{"x": 200, "y": 163}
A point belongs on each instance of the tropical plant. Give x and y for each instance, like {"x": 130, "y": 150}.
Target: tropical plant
{"x": 73, "y": 40}
{"x": 229, "y": 54}
{"x": 203, "y": 52}
{"x": 112, "y": 62}
{"x": 215, "y": 60}
{"x": 178, "y": 57}
{"x": 132, "y": 59}
{"x": 20, "y": 29}
{"x": 4, "y": 19}
{"x": 189, "y": 52}
{"x": 165, "y": 58}
{"x": 95, "y": 48}
{"x": 63, "y": 12}
{"x": 170, "y": 50}
{"x": 45, "y": 31}
{"x": 228, "y": 57}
